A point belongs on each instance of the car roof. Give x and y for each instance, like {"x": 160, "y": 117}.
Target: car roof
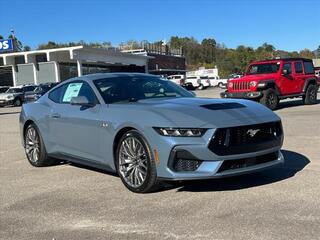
{"x": 95, "y": 76}
{"x": 282, "y": 59}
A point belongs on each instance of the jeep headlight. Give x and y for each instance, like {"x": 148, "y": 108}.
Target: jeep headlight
{"x": 230, "y": 84}
{"x": 9, "y": 97}
{"x": 180, "y": 132}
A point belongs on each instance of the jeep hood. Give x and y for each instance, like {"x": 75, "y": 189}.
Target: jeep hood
{"x": 208, "y": 113}
{"x": 256, "y": 77}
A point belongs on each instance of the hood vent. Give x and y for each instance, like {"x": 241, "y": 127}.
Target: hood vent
{"x": 223, "y": 106}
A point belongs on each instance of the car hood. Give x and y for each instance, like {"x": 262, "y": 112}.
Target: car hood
{"x": 205, "y": 112}
{"x": 4, "y": 96}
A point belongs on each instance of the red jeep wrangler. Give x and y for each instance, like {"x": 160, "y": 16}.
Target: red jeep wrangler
{"x": 270, "y": 81}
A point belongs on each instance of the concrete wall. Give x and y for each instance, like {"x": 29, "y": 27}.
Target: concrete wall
{"x": 25, "y": 74}
{"x": 46, "y": 72}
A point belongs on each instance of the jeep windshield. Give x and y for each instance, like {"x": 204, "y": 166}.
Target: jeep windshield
{"x": 264, "y": 68}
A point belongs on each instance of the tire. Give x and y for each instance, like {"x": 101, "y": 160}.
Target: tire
{"x": 270, "y": 99}
{"x": 34, "y": 147}
{"x": 311, "y": 95}
{"x": 138, "y": 174}
{"x": 220, "y": 84}
{"x": 17, "y": 102}
{"x": 201, "y": 87}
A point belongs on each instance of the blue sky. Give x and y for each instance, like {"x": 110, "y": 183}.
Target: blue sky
{"x": 288, "y": 25}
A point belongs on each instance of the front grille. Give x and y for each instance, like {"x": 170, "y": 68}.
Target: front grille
{"x": 247, "y": 162}
{"x": 186, "y": 165}
{"x": 244, "y": 139}
{"x": 241, "y": 86}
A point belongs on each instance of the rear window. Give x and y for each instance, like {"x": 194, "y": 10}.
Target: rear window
{"x": 308, "y": 68}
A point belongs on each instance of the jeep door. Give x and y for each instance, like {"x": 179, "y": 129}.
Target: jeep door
{"x": 287, "y": 83}
{"x": 299, "y": 76}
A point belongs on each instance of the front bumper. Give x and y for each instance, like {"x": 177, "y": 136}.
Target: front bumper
{"x": 246, "y": 95}
{"x": 6, "y": 102}
{"x": 210, "y": 164}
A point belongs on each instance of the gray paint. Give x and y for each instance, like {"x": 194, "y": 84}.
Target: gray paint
{"x": 78, "y": 132}
{"x": 25, "y": 74}
{"x": 46, "y": 72}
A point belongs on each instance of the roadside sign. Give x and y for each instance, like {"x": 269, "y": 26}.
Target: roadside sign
{"x": 6, "y": 45}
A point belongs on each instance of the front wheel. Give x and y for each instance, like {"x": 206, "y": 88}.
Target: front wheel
{"x": 220, "y": 84}
{"x": 17, "y": 102}
{"x": 311, "y": 95}
{"x": 270, "y": 99}
{"x": 201, "y": 87}
{"x": 135, "y": 163}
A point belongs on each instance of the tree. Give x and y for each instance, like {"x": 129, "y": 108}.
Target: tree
{"x": 306, "y": 53}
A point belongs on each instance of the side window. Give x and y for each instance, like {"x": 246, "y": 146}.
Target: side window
{"x": 298, "y": 67}
{"x": 287, "y": 66}
{"x": 76, "y": 89}
{"x": 308, "y": 68}
{"x": 56, "y": 94}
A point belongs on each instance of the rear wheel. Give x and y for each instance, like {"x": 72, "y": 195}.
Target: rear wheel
{"x": 270, "y": 99}
{"x": 311, "y": 95}
{"x": 135, "y": 163}
{"x": 220, "y": 84}
{"x": 34, "y": 147}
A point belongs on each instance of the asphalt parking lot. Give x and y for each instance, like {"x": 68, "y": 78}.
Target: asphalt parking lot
{"x": 74, "y": 202}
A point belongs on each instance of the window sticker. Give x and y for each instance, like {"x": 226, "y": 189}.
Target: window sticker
{"x": 72, "y": 91}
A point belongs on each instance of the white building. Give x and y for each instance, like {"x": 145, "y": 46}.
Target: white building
{"x": 54, "y": 65}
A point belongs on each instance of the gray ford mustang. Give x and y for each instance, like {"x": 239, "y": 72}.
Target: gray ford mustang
{"x": 148, "y": 129}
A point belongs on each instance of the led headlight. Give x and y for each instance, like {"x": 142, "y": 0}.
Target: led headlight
{"x": 230, "y": 84}
{"x": 180, "y": 132}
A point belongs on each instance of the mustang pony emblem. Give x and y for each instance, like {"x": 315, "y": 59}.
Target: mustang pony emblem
{"x": 253, "y": 132}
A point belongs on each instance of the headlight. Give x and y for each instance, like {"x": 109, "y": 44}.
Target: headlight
{"x": 9, "y": 97}
{"x": 180, "y": 132}
{"x": 230, "y": 84}
{"x": 253, "y": 84}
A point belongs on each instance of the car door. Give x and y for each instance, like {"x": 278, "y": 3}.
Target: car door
{"x": 287, "y": 83}
{"x": 76, "y": 129}
{"x": 299, "y": 76}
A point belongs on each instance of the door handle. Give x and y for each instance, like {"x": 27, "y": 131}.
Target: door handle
{"x": 55, "y": 115}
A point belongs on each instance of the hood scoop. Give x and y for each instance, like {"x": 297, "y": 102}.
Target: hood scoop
{"x": 223, "y": 106}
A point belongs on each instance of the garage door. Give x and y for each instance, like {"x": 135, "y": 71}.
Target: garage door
{"x": 6, "y": 78}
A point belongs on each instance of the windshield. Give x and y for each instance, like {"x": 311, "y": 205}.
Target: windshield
{"x": 14, "y": 90}
{"x": 134, "y": 88}
{"x": 263, "y": 68}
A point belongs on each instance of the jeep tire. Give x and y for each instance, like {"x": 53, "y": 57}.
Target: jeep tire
{"x": 270, "y": 99}
{"x": 311, "y": 95}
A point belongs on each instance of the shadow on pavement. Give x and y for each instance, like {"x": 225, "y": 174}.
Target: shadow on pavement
{"x": 293, "y": 103}
{"x": 294, "y": 162}
{"x": 8, "y": 113}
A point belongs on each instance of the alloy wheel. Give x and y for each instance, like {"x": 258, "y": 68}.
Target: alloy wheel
{"x": 133, "y": 162}
{"x": 32, "y": 145}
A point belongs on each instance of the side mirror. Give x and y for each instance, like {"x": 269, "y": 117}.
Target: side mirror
{"x": 285, "y": 72}
{"x": 81, "y": 101}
